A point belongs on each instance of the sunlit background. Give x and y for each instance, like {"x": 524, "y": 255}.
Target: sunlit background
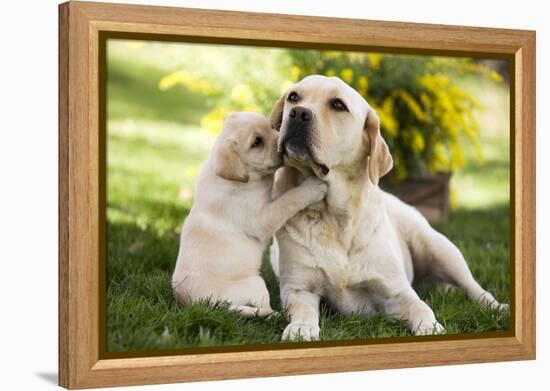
{"x": 166, "y": 104}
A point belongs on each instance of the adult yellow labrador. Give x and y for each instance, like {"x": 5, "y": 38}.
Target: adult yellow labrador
{"x": 360, "y": 248}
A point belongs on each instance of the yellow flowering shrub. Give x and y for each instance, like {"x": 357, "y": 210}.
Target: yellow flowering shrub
{"x": 363, "y": 85}
{"x": 187, "y": 79}
{"x": 213, "y": 121}
{"x": 374, "y": 60}
{"x": 425, "y": 116}
{"x": 347, "y": 75}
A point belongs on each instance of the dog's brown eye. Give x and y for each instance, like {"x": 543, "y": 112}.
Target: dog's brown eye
{"x": 293, "y": 97}
{"x": 257, "y": 142}
{"x": 338, "y": 105}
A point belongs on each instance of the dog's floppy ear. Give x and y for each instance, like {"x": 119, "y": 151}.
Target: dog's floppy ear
{"x": 228, "y": 164}
{"x": 276, "y": 117}
{"x": 380, "y": 160}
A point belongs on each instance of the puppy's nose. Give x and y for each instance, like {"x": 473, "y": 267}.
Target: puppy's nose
{"x": 300, "y": 114}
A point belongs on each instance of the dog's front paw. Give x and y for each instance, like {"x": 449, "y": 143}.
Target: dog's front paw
{"x": 429, "y": 329}
{"x": 316, "y": 189}
{"x": 492, "y": 303}
{"x": 301, "y": 331}
{"x": 503, "y": 307}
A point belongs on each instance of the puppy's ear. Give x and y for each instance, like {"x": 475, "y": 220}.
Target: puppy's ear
{"x": 228, "y": 164}
{"x": 380, "y": 160}
{"x": 276, "y": 117}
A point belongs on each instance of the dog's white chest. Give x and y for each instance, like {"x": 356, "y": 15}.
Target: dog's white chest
{"x": 337, "y": 269}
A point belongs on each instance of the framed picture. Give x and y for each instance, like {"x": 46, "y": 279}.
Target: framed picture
{"x": 247, "y": 195}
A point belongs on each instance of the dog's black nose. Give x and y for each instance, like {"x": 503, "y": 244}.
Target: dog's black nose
{"x": 300, "y": 114}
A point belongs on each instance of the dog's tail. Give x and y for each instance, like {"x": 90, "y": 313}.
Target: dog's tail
{"x": 274, "y": 256}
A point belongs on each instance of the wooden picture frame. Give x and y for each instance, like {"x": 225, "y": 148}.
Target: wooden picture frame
{"x": 83, "y": 28}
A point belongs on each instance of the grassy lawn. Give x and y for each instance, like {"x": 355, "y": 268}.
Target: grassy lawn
{"x": 155, "y": 149}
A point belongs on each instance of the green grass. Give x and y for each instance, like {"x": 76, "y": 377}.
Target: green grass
{"x": 145, "y": 212}
{"x": 154, "y": 151}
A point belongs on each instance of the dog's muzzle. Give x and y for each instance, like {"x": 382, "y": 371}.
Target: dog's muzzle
{"x": 296, "y": 144}
{"x": 296, "y": 141}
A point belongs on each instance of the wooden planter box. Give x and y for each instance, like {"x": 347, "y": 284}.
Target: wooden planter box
{"x": 429, "y": 194}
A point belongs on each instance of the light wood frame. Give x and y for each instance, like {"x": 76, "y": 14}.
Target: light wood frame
{"x": 81, "y": 364}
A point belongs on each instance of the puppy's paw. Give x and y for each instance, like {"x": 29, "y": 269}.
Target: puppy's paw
{"x": 429, "y": 329}
{"x": 315, "y": 189}
{"x": 249, "y": 311}
{"x": 266, "y": 313}
{"x": 301, "y": 331}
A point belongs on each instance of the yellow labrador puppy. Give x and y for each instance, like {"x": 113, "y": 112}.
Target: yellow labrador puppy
{"x": 361, "y": 248}
{"x": 234, "y": 216}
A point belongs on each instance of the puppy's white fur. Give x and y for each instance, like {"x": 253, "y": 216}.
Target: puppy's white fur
{"x": 234, "y": 216}
{"x": 361, "y": 248}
